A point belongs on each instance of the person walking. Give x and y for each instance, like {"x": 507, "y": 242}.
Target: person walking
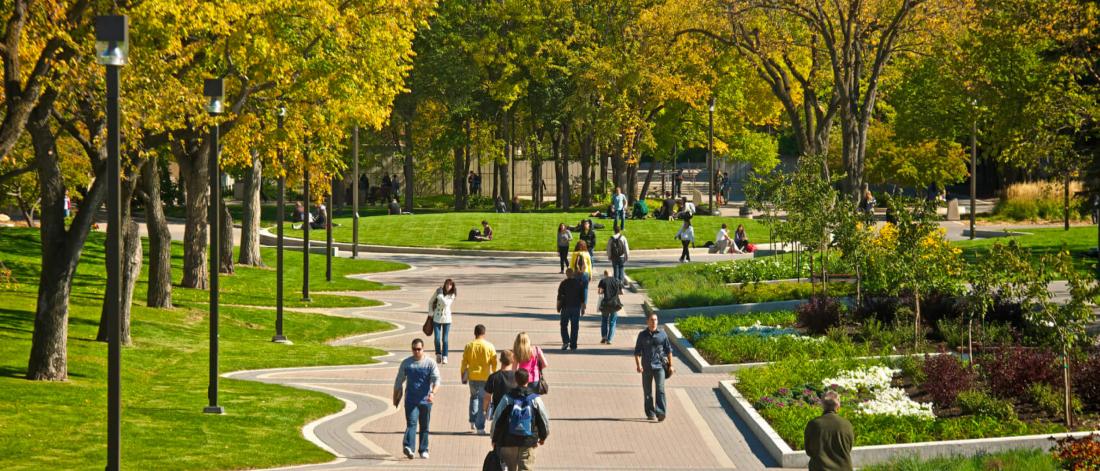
{"x": 529, "y": 358}
{"x": 652, "y": 354}
{"x": 420, "y": 375}
{"x": 564, "y": 239}
{"x": 686, "y": 236}
{"x": 521, "y": 423}
{"x": 829, "y": 438}
{"x": 588, "y": 235}
{"x": 581, "y": 263}
{"x": 440, "y": 307}
{"x": 499, "y": 383}
{"x": 618, "y": 207}
{"x": 618, "y": 251}
{"x": 610, "y": 289}
{"x": 570, "y": 307}
{"x": 678, "y": 183}
{"x": 479, "y": 360}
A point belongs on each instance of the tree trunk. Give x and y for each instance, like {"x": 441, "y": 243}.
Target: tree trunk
{"x": 916, "y": 321}
{"x": 648, "y": 180}
{"x": 410, "y": 180}
{"x": 131, "y": 270}
{"x": 458, "y": 182}
{"x": 226, "y": 238}
{"x": 61, "y": 247}
{"x": 561, "y": 145}
{"x": 603, "y": 157}
{"x": 160, "y": 239}
{"x": 1065, "y": 201}
{"x": 586, "y": 170}
{"x": 196, "y": 180}
{"x": 250, "y": 220}
{"x": 1067, "y": 387}
{"x": 631, "y": 185}
{"x": 503, "y": 169}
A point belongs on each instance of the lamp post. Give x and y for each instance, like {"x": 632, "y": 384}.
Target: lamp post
{"x": 710, "y": 159}
{"x": 111, "y": 46}
{"x": 973, "y": 168}
{"x": 281, "y": 211}
{"x": 214, "y": 90}
{"x": 305, "y": 230}
{"x": 355, "y": 192}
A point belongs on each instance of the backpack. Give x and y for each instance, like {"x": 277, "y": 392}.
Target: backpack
{"x": 521, "y": 416}
{"x": 474, "y": 233}
{"x": 617, "y": 248}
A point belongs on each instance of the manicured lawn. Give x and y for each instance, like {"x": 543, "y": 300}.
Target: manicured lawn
{"x": 761, "y": 337}
{"x": 62, "y": 425}
{"x": 1016, "y": 460}
{"x": 533, "y": 232}
{"x": 1043, "y": 241}
{"x": 700, "y": 284}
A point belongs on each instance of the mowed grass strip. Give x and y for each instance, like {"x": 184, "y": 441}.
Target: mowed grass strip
{"x": 527, "y": 232}
{"x": 1043, "y": 241}
{"x": 62, "y": 425}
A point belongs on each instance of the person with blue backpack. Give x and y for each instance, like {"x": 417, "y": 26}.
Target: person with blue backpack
{"x": 520, "y": 424}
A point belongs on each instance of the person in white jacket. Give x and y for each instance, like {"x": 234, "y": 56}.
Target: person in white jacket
{"x": 686, "y": 235}
{"x": 440, "y": 308}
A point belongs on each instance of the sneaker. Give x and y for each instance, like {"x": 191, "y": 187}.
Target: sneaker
{"x": 472, "y": 427}
{"x": 660, "y": 418}
{"x": 444, "y": 360}
{"x": 603, "y": 341}
{"x": 564, "y": 347}
{"x": 482, "y": 431}
{"x": 424, "y": 455}
{"x": 648, "y": 417}
{"x": 409, "y": 452}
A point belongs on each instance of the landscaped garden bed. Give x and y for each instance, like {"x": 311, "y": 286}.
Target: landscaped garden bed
{"x": 1009, "y": 392}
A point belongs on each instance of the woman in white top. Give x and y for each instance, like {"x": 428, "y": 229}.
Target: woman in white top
{"x": 722, "y": 241}
{"x": 440, "y": 307}
{"x": 686, "y": 235}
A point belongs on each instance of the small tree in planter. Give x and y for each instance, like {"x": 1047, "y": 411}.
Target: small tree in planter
{"x": 1004, "y": 272}
{"x": 853, "y": 237}
{"x": 913, "y": 258}
{"x": 1069, "y": 320}
{"x": 811, "y": 204}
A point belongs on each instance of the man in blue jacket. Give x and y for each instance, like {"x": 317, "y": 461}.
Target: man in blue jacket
{"x": 420, "y": 374}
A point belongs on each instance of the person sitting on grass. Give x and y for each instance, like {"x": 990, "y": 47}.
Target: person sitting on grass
{"x": 322, "y": 216}
{"x": 486, "y": 232}
{"x": 394, "y": 208}
{"x": 740, "y": 240}
{"x": 302, "y": 216}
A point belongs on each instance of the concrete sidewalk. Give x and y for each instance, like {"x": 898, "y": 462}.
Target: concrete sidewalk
{"x": 595, "y": 398}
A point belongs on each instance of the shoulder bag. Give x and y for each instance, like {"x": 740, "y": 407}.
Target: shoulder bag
{"x": 544, "y": 387}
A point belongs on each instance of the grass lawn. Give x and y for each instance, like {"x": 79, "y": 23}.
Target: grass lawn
{"x": 1016, "y": 460}
{"x": 1043, "y": 241}
{"x": 62, "y": 425}
{"x": 533, "y": 232}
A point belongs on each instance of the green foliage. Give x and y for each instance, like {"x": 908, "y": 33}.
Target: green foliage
{"x": 980, "y": 403}
{"x": 1016, "y": 460}
{"x": 1050, "y": 401}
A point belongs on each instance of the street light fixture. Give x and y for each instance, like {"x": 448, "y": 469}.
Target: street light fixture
{"x": 112, "y": 34}
{"x": 355, "y": 192}
{"x": 214, "y": 90}
{"x": 281, "y": 210}
{"x": 710, "y": 158}
{"x": 305, "y": 230}
{"x": 328, "y": 231}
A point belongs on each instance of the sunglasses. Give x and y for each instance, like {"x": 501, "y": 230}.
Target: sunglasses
{"x": 417, "y": 349}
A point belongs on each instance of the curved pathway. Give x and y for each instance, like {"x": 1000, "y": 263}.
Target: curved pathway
{"x": 595, "y": 401}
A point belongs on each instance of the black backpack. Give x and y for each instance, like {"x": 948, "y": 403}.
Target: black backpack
{"x": 617, "y": 248}
{"x": 474, "y": 233}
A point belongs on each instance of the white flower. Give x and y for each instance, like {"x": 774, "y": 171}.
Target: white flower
{"x": 894, "y": 401}
{"x": 872, "y": 378}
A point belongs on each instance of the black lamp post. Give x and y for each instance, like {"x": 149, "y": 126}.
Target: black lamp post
{"x": 305, "y": 230}
{"x": 355, "y": 192}
{"x": 214, "y": 90}
{"x": 281, "y": 211}
{"x": 112, "y": 46}
{"x": 710, "y": 159}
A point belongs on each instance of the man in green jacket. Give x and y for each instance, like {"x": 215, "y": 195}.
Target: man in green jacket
{"x": 829, "y": 438}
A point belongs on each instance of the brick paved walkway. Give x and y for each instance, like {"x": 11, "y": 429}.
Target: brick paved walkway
{"x": 597, "y": 420}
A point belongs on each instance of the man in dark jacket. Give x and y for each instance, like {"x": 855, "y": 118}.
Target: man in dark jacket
{"x": 829, "y": 438}
{"x": 516, "y": 443}
{"x": 570, "y": 305}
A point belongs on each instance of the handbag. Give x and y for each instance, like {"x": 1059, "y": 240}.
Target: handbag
{"x": 668, "y": 368}
{"x": 429, "y": 326}
{"x": 544, "y": 387}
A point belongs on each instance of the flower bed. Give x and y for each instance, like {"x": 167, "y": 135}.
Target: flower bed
{"x": 892, "y": 401}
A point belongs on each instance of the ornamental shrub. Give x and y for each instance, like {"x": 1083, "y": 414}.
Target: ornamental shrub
{"x": 1086, "y": 380}
{"x": 1078, "y": 454}
{"x": 820, "y": 314}
{"x": 947, "y": 378}
{"x": 981, "y": 404}
{"x": 1051, "y": 400}
{"x": 1009, "y": 371}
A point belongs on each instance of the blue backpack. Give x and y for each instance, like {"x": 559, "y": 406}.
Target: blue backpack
{"x": 519, "y": 419}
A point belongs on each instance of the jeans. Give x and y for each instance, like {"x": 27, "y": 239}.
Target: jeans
{"x": 570, "y": 325}
{"x": 617, "y": 267}
{"x": 442, "y": 331}
{"x": 585, "y": 278}
{"x": 607, "y": 325}
{"x": 650, "y": 376}
{"x": 685, "y": 254}
{"x": 477, "y": 415}
{"x": 421, "y": 413}
{"x": 563, "y": 256}
{"x": 620, "y": 218}
{"x": 517, "y": 458}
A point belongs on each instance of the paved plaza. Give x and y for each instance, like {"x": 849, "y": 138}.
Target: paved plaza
{"x": 595, "y": 400}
